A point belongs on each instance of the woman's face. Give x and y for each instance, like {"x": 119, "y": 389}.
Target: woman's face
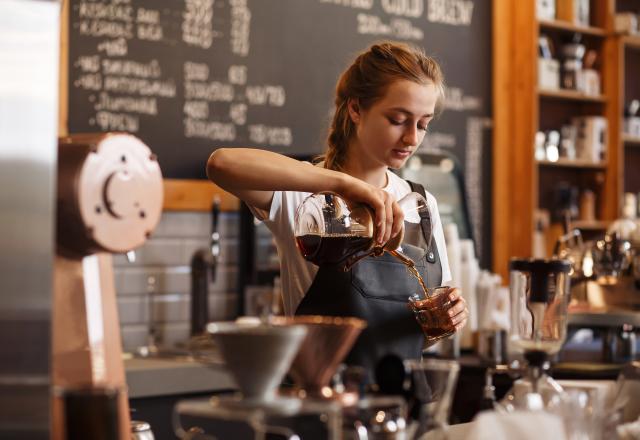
{"x": 392, "y": 129}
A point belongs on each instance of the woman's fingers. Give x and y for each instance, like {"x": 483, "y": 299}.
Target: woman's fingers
{"x": 388, "y": 210}
{"x": 459, "y": 313}
{"x": 388, "y": 215}
{"x": 454, "y": 294}
{"x": 398, "y": 219}
{"x": 458, "y": 307}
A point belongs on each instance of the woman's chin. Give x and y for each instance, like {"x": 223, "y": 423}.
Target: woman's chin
{"x": 395, "y": 163}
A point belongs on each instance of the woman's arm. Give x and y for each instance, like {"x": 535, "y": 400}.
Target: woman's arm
{"x": 253, "y": 175}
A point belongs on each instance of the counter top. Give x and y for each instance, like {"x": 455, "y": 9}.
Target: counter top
{"x": 151, "y": 377}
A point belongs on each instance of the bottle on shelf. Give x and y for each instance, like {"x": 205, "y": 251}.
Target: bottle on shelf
{"x": 626, "y": 227}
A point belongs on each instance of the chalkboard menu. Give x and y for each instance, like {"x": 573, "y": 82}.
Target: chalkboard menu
{"x": 187, "y": 76}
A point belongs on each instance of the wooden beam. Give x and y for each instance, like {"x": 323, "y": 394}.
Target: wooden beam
{"x": 613, "y": 85}
{"x": 196, "y": 195}
{"x": 63, "y": 79}
{"x": 501, "y": 132}
{"x": 515, "y": 115}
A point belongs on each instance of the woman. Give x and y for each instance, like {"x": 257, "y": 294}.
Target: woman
{"x": 384, "y": 103}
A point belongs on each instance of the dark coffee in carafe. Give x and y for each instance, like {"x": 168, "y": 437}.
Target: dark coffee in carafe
{"x": 331, "y": 249}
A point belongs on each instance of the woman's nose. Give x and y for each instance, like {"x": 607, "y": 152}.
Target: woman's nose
{"x": 411, "y": 136}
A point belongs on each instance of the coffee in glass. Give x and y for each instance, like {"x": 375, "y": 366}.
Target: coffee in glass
{"x": 432, "y": 313}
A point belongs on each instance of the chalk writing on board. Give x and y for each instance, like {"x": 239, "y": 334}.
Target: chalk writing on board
{"x": 369, "y": 24}
{"x": 456, "y": 100}
{"x": 452, "y": 12}
{"x": 114, "y": 48}
{"x": 474, "y": 176}
{"x": 240, "y": 22}
{"x": 148, "y": 25}
{"x": 357, "y": 4}
{"x": 264, "y": 134}
{"x": 197, "y": 27}
{"x": 273, "y": 96}
{"x": 406, "y": 8}
{"x": 106, "y": 101}
{"x": 438, "y": 140}
{"x": 237, "y": 74}
{"x": 117, "y": 11}
{"x": 213, "y": 130}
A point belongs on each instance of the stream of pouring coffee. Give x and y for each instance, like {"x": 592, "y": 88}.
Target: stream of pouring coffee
{"x": 411, "y": 267}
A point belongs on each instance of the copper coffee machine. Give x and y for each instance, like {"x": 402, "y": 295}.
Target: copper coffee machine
{"x": 109, "y": 200}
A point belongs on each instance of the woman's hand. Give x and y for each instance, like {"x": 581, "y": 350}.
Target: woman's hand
{"x": 389, "y": 217}
{"x": 458, "y": 313}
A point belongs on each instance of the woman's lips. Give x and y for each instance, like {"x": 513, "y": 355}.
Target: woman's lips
{"x": 401, "y": 153}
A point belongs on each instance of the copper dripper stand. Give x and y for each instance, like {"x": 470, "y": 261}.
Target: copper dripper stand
{"x": 327, "y": 343}
{"x": 109, "y": 200}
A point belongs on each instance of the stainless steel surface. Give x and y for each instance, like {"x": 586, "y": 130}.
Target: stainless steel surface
{"x": 154, "y": 377}
{"x": 141, "y": 431}
{"x": 628, "y": 392}
{"x": 605, "y": 318}
{"x": 29, "y": 39}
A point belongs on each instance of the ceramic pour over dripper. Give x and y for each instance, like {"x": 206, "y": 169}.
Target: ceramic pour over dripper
{"x": 328, "y": 341}
{"x": 257, "y": 356}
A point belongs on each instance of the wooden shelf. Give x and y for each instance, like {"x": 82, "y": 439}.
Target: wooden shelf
{"x": 520, "y": 182}
{"x": 594, "y": 225}
{"x": 571, "y": 95}
{"x": 565, "y": 26}
{"x": 631, "y": 140}
{"x": 631, "y": 41}
{"x": 575, "y": 163}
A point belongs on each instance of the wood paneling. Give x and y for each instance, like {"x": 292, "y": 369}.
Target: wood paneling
{"x": 196, "y": 195}
{"x": 515, "y": 118}
{"x": 612, "y": 84}
{"x": 63, "y": 101}
{"x": 501, "y": 132}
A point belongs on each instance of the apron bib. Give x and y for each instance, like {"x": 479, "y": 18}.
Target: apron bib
{"x": 377, "y": 289}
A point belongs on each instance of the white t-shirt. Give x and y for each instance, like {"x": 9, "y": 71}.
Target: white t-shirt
{"x": 296, "y": 273}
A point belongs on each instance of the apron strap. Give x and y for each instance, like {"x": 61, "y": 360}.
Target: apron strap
{"x": 425, "y": 216}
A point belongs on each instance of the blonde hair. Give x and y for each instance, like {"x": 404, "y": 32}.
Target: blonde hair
{"x": 366, "y": 81}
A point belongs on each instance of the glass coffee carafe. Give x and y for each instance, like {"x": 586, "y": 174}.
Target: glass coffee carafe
{"x": 539, "y": 300}
{"x": 331, "y": 230}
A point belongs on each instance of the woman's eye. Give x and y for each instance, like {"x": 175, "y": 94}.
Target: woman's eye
{"x": 423, "y": 127}
{"x": 396, "y": 121}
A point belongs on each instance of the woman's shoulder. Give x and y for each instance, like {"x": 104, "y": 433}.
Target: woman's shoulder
{"x": 400, "y": 188}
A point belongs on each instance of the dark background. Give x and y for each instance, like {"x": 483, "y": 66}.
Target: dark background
{"x": 301, "y": 45}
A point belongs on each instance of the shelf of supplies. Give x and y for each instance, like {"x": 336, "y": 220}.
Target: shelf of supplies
{"x": 631, "y": 140}
{"x": 571, "y": 95}
{"x": 591, "y": 225}
{"x": 632, "y": 41}
{"x": 565, "y": 26}
{"x": 574, "y": 163}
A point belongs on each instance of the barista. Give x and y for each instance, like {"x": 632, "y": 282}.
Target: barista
{"x": 383, "y": 105}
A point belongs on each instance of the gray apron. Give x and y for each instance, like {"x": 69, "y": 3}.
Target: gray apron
{"x": 377, "y": 289}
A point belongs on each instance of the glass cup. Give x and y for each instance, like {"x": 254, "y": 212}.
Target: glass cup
{"x": 434, "y": 383}
{"x": 432, "y": 313}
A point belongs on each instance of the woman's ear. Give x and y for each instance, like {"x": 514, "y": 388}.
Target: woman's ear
{"x": 354, "y": 110}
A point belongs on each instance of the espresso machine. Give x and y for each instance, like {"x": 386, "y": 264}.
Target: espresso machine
{"x": 109, "y": 200}
{"x": 605, "y": 287}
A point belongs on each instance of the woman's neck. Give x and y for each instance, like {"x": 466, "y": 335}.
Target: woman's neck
{"x": 358, "y": 166}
